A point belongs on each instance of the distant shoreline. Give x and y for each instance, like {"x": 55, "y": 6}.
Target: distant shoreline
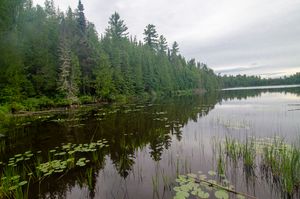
{"x": 261, "y": 87}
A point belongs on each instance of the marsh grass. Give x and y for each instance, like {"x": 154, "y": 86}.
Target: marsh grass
{"x": 89, "y": 176}
{"x": 248, "y": 153}
{"x": 233, "y": 149}
{"x": 221, "y": 162}
{"x": 275, "y": 158}
{"x": 282, "y": 161}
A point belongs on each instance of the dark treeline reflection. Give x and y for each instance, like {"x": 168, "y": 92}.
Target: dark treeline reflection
{"x": 127, "y": 128}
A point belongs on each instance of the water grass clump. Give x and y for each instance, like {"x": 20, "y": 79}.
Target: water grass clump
{"x": 274, "y": 156}
{"x": 282, "y": 161}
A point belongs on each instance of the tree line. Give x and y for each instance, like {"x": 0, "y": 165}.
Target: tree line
{"x": 230, "y": 81}
{"x": 49, "y": 56}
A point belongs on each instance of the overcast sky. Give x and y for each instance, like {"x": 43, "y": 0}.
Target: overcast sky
{"x": 260, "y": 37}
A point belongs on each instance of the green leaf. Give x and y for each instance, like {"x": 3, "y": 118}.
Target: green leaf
{"x": 22, "y": 183}
{"x": 183, "y": 194}
{"x": 203, "y": 194}
{"x": 221, "y": 194}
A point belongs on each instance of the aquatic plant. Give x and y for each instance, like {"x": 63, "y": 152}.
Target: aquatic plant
{"x": 248, "y": 153}
{"x": 220, "y": 161}
{"x": 203, "y": 186}
{"x": 11, "y": 183}
{"x": 283, "y": 161}
{"x": 21, "y": 168}
{"x": 233, "y": 149}
{"x": 274, "y": 156}
{"x": 89, "y": 177}
{"x": 55, "y": 166}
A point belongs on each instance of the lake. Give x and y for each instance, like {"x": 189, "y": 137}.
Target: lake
{"x": 148, "y": 145}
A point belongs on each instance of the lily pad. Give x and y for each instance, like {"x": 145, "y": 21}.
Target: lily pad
{"x": 221, "y": 194}
{"x": 182, "y": 194}
{"x": 203, "y": 194}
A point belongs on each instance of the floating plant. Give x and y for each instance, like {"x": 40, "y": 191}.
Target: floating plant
{"x": 221, "y": 194}
{"x": 55, "y": 166}
{"x": 199, "y": 186}
{"x": 21, "y": 168}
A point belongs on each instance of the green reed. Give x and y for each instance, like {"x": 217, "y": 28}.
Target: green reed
{"x": 280, "y": 160}
{"x": 283, "y": 162}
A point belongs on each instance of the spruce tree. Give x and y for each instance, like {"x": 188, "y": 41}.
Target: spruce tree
{"x": 81, "y": 17}
{"x": 162, "y": 45}
{"x": 175, "y": 49}
{"x": 117, "y": 28}
{"x": 151, "y": 36}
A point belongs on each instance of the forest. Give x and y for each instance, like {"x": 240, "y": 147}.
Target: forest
{"x": 244, "y": 81}
{"x": 53, "y": 58}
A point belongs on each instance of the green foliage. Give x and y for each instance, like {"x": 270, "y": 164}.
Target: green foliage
{"x": 32, "y": 104}
{"x": 81, "y": 18}
{"x": 45, "y": 52}
{"x": 151, "y": 36}
{"x": 86, "y": 99}
{"x": 117, "y": 28}
{"x": 4, "y": 114}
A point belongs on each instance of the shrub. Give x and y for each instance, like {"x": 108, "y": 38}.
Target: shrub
{"x": 86, "y": 99}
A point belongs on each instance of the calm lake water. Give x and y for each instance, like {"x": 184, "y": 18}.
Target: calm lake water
{"x": 151, "y": 143}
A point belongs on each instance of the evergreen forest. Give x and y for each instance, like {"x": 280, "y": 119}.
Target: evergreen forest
{"x": 53, "y": 58}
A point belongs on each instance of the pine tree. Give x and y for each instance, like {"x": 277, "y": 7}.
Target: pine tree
{"x": 117, "y": 29}
{"x": 162, "y": 45}
{"x": 175, "y": 49}
{"x": 151, "y": 36}
{"x": 49, "y": 7}
{"x": 81, "y": 18}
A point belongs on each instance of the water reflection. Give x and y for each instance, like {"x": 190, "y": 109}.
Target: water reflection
{"x": 139, "y": 135}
